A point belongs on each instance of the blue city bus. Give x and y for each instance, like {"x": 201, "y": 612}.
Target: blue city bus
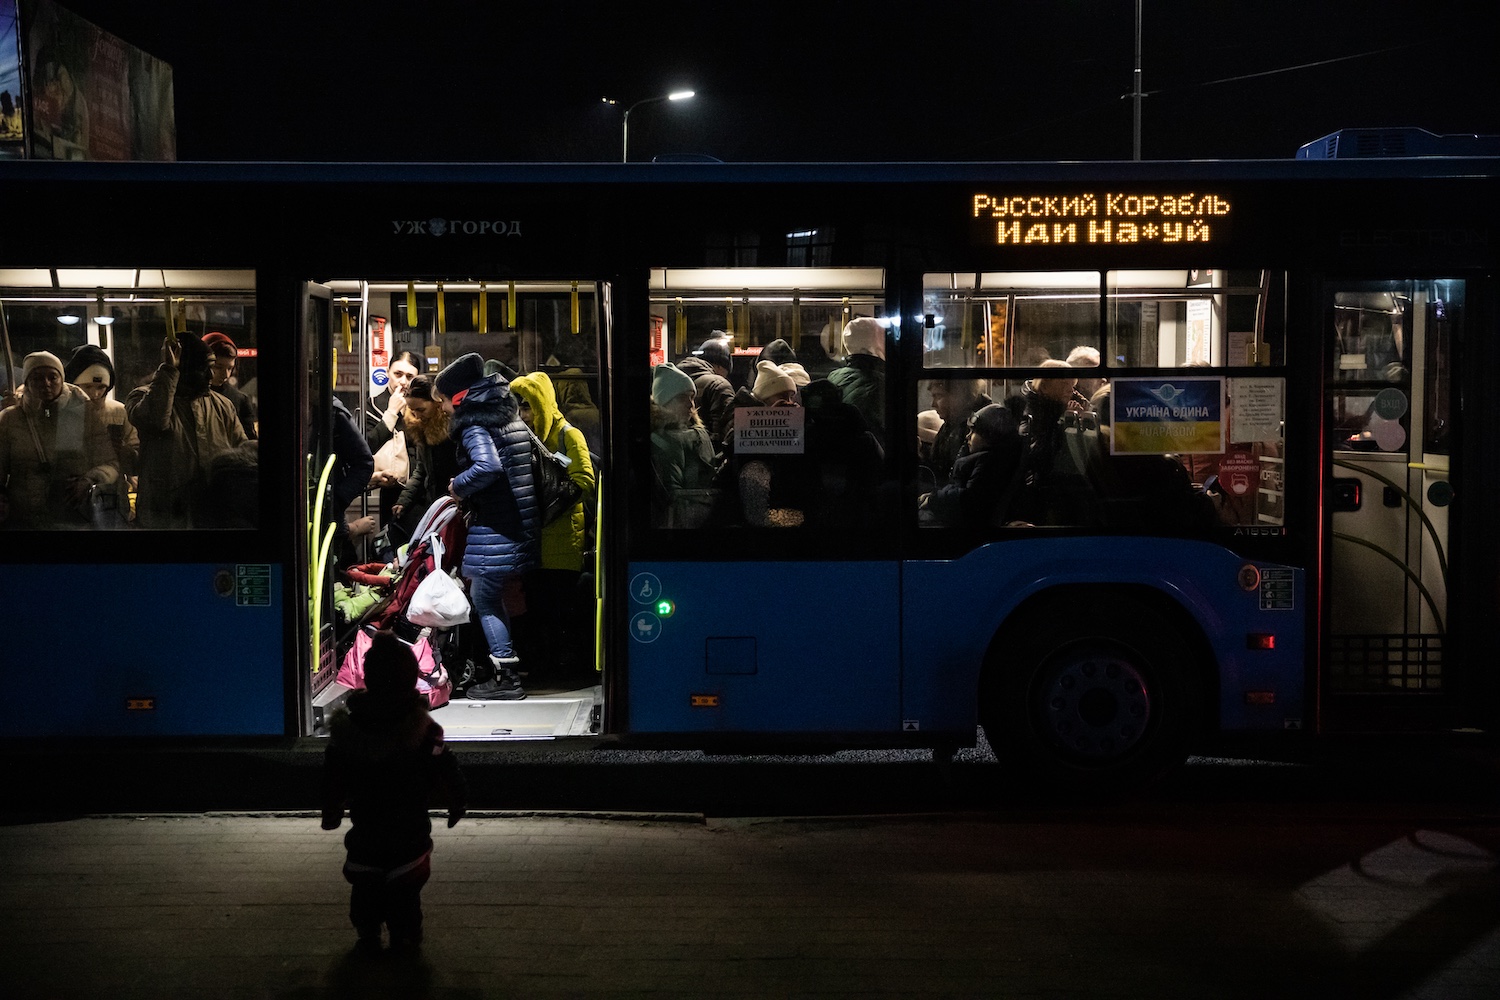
{"x": 1232, "y": 483}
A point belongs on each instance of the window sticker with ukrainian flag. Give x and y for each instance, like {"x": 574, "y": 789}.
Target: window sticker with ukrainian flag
{"x": 1167, "y": 416}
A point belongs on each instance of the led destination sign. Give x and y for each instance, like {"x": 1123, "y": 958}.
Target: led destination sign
{"x": 1102, "y": 217}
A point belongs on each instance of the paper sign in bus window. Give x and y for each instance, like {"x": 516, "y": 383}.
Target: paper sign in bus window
{"x": 1256, "y": 409}
{"x": 769, "y": 430}
{"x": 1167, "y": 416}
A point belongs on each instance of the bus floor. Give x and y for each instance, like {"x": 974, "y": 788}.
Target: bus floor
{"x": 545, "y": 713}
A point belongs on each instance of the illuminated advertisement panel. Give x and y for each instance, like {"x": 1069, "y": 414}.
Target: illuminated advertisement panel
{"x": 12, "y": 131}
{"x": 92, "y": 96}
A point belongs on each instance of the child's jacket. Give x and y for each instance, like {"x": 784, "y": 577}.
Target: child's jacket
{"x": 385, "y": 759}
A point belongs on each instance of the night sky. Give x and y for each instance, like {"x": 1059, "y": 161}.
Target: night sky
{"x": 347, "y": 80}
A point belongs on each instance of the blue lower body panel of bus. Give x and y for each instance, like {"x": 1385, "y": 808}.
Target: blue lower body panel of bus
{"x": 789, "y": 648}
{"x": 149, "y": 650}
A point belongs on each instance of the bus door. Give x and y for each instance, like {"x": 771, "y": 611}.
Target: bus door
{"x": 1390, "y": 475}
{"x": 374, "y": 345}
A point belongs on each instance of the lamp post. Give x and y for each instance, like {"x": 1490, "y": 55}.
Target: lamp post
{"x": 676, "y": 95}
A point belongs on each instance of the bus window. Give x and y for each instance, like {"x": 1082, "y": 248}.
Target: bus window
{"x": 1190, "y": 318}
{"x": 1008, "y": 319}
{"x": 736, "y": 443}
{"x": 132, "y": 400}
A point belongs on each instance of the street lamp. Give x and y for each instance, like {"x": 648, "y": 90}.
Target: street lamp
{"x": 676, "y": 95}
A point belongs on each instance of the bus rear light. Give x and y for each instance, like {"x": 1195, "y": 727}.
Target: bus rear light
{"x": 1260, "y": 697}
{"x": 1260, "y": 640}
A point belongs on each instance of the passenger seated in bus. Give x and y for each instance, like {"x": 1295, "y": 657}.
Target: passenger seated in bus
{"x": 552, "y": 620}
{"x": 955, "y": 401}
{"x": 1055, "y": 491}
{"x": 1150, "y": 493}
{"x": 862, "y": 379}
{"x": 713, "y": 395}
{"x": 55, "y": 451}
{"x": 683, "y": 459}
{"x": 985, "y": 479}
{"x": 928, "y": 425}
{"x": 1084, "y": 356}
{"x": 184, "y": 425}
{"x": 776, "y": 491}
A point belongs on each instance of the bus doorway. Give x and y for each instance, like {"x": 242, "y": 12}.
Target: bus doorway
{"x": 377, "y": 345}
{"x": 1390, "y": 471}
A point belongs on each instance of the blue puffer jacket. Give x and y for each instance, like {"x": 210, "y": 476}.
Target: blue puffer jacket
{"x": 494, "y": 481}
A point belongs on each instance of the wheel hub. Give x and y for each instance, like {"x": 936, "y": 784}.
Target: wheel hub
{"x": 1095, "y": 705}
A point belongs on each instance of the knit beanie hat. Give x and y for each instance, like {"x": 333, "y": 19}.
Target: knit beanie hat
{"x": 797, "y": 372}
{"x": 459, "y": 375}
{"x": 928, "y": 425}
{"x": 668, "y": 382}
{"x": 87, "y": 364}
{"x": 778, "y": 352}
{"x": 995, "y": 422}
{"x": 215, "y": 340}
{"x": 390, "y": 666}
{"x": 40, "y": 359}
{"x": 715, "y": 351}
{"x": 771, "y": 379}
{"x": 865, "y": 336}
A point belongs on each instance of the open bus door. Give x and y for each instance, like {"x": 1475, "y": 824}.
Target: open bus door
{"x": 1391, "y": 466}
{"x": 553, "y": 332}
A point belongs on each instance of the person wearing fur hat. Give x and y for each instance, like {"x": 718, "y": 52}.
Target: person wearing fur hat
{"x": 55, "y": 451}
{"x": 986, "y": 479}
{"x": 713, "y": 394}
{"x": 683, "y": 457}
{"x": 385, "y": 758}
{"x": 494, "y": 485}
{"x": 861, "y": 381}
{"x": 550, "y": 587}
{"x": 184, "y": 426}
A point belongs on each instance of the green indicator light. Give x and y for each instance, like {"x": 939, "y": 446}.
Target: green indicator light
{"x": 664, "y": 608}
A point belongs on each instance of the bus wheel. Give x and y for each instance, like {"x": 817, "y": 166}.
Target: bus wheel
{"x": 1098, "y": 697}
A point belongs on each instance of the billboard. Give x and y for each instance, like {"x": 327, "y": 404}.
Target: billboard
{"x": 90, "y": 95}
{"x": 12, "y": 132}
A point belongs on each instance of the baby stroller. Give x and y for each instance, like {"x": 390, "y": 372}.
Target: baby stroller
{"x": 436, "y": 547}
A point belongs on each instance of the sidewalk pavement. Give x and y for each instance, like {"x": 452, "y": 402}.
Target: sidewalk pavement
{"x": 539, "y": 906}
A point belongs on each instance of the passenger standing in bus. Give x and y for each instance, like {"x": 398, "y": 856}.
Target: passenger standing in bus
{"x": 225, "y": 359}
{"x": 776, "y": 491}
{"x": 683, "y": 459}
{"x": 494, "y": 485}
{"x": 184, "y": 425}
{"x": 862, "y": 379}
{"x": 550, "y": 588}
{"x": 713, "y": 394}
{"x": 382, "y": 425}
{"x": 55, "y": 450}
{"x": 1084, "y": 356}
{"x": 432, "y": 455}
{"x": 91, "y": 369}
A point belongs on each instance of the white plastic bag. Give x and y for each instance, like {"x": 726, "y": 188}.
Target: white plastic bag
{"x": 439, "y": 600}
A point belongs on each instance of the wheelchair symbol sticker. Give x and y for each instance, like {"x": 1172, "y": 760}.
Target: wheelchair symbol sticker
{"x": 645, "y": 588}
{"x": 645, "y": 627}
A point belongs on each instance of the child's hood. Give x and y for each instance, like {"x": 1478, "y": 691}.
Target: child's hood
{"x": 376, "y": 728}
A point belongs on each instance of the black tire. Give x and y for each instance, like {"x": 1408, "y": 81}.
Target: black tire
{"x": 1097, "y": 693}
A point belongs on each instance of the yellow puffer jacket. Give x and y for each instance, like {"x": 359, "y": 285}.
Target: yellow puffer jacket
{"x": 563, "y": 539}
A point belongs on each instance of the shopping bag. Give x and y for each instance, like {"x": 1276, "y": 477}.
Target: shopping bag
{"x": 439, "y": 600}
